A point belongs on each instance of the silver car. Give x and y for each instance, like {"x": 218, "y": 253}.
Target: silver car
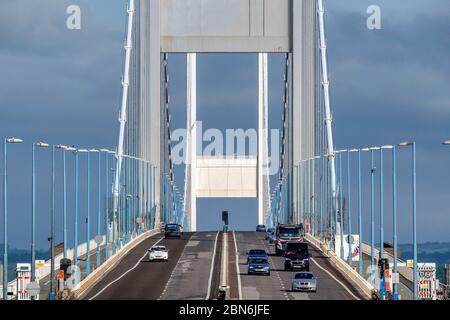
{"x": 304, "y": 281}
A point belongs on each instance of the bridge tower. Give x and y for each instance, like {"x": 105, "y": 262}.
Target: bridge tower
{"x": 226, "y": 26}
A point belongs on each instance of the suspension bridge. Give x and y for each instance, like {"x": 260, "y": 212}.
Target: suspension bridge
{"x": 136, "y": 191}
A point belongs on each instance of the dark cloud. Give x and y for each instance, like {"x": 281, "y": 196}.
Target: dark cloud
{"x": 392, "y": 85}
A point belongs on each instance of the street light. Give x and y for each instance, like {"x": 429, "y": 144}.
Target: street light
{"x": 64, "y": 148}
{"x": 107, "y": 152}
{"x": 349, "y": 216}
{"x": 6, "y": 141}
{"x": 88, "y": 248}
{"x": 413, "y": 145}
{"x": 382, "y": 283}
{"x": 33, "y": 211}
{"x": 372, "y": 211}
{"x": 88, "y": 220}
{"x": 75, "y": 246}
{"x": 394, "y": 214}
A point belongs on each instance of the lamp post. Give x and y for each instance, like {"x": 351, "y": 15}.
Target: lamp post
{"x": 75, "y": 246}
{"x": 372, "y": 212}
{"x": 107, "y": 153}
{"x": 33, "y": 211}
{"x": 394, "y": 214}
{"x": 349, "y": 215}
{"x": 64, "y": 148}
{"x": 99, "y": 206}
{"x": 361, "y": 262}
{"x": 383, "y": 280}
{"x": 412, "y": 144}
{"x": 88, "y": 213}
{"x": 128, "y": 197}
{"x": 6, "y": 141}
{"x": 114, "y": 212}
{"x": 372, "y": 209}
{"x": 52, "y": 223}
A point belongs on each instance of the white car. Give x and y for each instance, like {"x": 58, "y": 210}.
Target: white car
{"x": 304, "y": 281}
{"x": 158, "y": 253}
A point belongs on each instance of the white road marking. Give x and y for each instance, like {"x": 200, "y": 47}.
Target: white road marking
{"x": 124, "y": 274}
{"x": 331, "y": 275}
{"x": 237, "y": 267}
{"x": 208, "y": 293}
{"x": 172, "y": 273}
{"x": 277, "y": 273}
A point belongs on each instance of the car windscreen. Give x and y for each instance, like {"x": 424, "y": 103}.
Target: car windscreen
{"x": 158, "y": 249}
{"x": 289, "y": 232}
{"x": 258, "y": 260}
{"x": 257, "y": 252}
{"x": 304, "y": 276}
{"x": 300, "y": 250}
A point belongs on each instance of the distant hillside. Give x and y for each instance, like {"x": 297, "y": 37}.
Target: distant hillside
{"x": 17, "y": 256}
{"x": 438, "y": 252}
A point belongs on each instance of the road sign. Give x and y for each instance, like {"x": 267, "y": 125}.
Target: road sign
{"x": 410, "y": 263}
{"x": 33, "y": 289}
{"x": 23, "y": 274}
{"x": 426, "y": 273}
{"x": 98, "y": 239}
{"x": 40, "y": 263}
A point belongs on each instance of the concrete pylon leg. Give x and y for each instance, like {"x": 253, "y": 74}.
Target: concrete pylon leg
{"x": 263, "y": 101}
{"x": 192, "y": 137}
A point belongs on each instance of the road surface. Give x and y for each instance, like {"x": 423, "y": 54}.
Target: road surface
{"x": 331, "y": 284}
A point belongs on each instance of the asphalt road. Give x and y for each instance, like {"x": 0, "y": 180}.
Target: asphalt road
{"x": 191, "y": 277}
{"x": 193, "y": 271}
{"x": 331, "y": 284}
{"x": 135, "y": 278}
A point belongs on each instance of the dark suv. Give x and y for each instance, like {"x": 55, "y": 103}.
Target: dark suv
{"x": 296, "y": 256}
{"x": 256, "y": 253}
{"x": 172, "y": 230}
{"x": 260, "y": 228}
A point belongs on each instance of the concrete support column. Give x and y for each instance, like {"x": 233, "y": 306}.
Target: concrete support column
{"x": 263, "y": 102}
{"x": 191, "y": 160}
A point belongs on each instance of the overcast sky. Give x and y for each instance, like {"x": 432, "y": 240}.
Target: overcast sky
{"x": 388, "y": 85}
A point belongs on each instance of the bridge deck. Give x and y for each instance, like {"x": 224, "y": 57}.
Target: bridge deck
{"x": 278, "y": 285}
